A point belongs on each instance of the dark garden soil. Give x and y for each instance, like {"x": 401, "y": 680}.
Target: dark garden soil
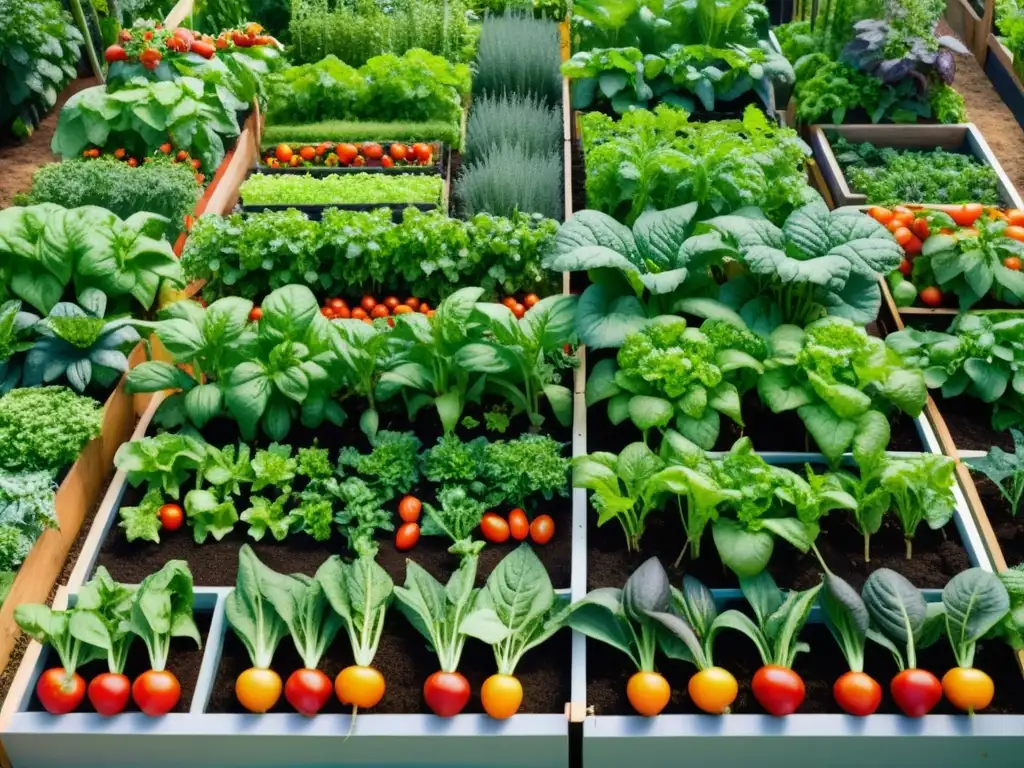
{"x": 20, "y": 160}
{"x": 608, "y": 671}
{"x": 1007, "y": 527}
{"x": 184, "y": 661}
{"x": 969, "y": 421}
{"x": 405, "y": 661}
{"x": 215, "y": 563}
{"x": 937, "y": 555}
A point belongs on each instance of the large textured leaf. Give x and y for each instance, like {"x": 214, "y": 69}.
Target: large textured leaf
{"x": 605, "y": 318}
{"x": 591, "y": 228}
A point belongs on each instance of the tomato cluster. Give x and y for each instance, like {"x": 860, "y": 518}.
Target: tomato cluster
{"x": 181, "y": 156}
{"x": 148, "y": 44}
{"x": 497, "y": 529}
{"x": 368, "y": 154}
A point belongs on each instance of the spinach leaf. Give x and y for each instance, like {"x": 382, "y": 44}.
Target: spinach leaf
{"x": 102, "y": 618}
{"x": 302, "y": 604}
{"x": 1005, "y": 470}
{"x": 900, "y": 616}
{"x": 976, "y": 602}
{"x": 51, "y": 627}
{"x": 162, "y": 610}
{"x": 251, "y": 613}
{"x": 360, "y": 593}
{"x": 164, "y": 460}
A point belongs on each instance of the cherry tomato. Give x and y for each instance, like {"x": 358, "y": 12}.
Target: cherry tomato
{"x": 283, "y": 153}
{"x": 359, "y": 314}
{"x": 424, "y": 308}
{"x": 931, "y": 296}
{"x": 342, "y": 313}
{"x": 308, "y": 690}
{"x": 346, "y": 153}
{"x": 518, "y": 525}
{"x": 1012, "y": 262}
{"x": 119, "y": 153}
{"x": 407, "y": 537}
{"x": 413, "y": 303}
{"x": 648, "y": 692}
{"x": 58, "y": 692}
{"x": 446, "y": 693}
{"x": 258, "y": 689}
{"x": 542, "y": 529}
{"x": 902, "y": 235}
{"x": 857, "y": 693}
{"x": 409, "y": 509}
{"x": 156, "y": 692}
{"x": 1015, "y": 232}
{"x": 115, "y": 53}
{"x": 150, "y": 58}
{"x": 171, "y": 517}
{"x": 307, "y": 154}
{"x": 519, "y": 310}
{"x": 501, "y": 696}
{"x": 920, "y": 228}
{"x": 380, "y": 310}
{"x": 968, "y": 689}
{"x": 913, "y": 246}
{"x": 109, "y": 693}
{"x": 966, "y": 215}
{"x": 530, "y": 300}
{"x": 906, "y": 267}
{"x": 916, "y": 691}
{"x": 165, "y": 148}
{"x": 881, "y": 215}
{"x": 509, "y": 301}
{"x": 1015, "y": 216}
{"x": 423, "y": 152}
{"x": 295, "y": 161}
{"x": 368, "y": 303}
{"x": 779, "y": 690}
{"x": 372, "y": 150}
{"x": 903, "y": 219}
{"x": 255, "y": 314}
{"x": 359, "y": 161}
{"x": 203, "y": 48}
{"x": 494, "y": 528}
{"x": 327, "y": 312}
{"x": 398, "y": 151}
{"x": 361, "y": 687}
{"x": 387, "y": 162}
{"x": 391, "y": 302}
{"x": 713, "y": 690}
{"x": 337, "y": 304}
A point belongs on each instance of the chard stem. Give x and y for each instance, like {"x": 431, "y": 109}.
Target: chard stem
{"x": 909, "y": 543}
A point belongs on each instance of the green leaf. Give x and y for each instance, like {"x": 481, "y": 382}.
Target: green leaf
{"x": 746, "y": 553}
{"x": 605, "y": 319}
{"x": 650, "y": 412}
{"x": 975, "y": 601}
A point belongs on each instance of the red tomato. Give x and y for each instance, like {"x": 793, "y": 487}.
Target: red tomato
{"x": 881, "y": 215}
{"x": 413, "y": 303}
{"x": 446, "y": 693}
{"x": 342, "y": 313}
{"x": 391, "y": 302}
{"x": 58, "y": 692}
{"x": 150, "y": 58}
{"x": 307, "y": 690}
{"x": 346, "y": 153}
{"x": 327, "y": 312}
{"x": 387, "y": 162}
{"x": 115, "y": 53}
{"x": 509, "y": 301}
{"x": 906, "y": 267}
{"x": 165, "y": 148}
{"x": 913, "y": 246}
{"x": 916, "y": 691}
{"x": 359, "y": 314}
{"x": 857, "y": 693}
{"x": 779, "y": 690}
{"x": 409, "y": 509}
{"x": 407, "y": 537}
{"x": 204, "y": 49}
{"x": 423, "y": 152}
{"x": 1012, "y": 262}
{"x": 359, "y": 161}
{"x": 368, "y": 303}
{"x": 530, "y": 300}
{"x": 379, "y": 310}
{"x": 902, "y": 235}
{"x": 398, "y": 151}
{"x": 109, "y": 693}
{"x": 519, "y": 310}
{"x": 284, "y": 153}
{"x": 542, "y": 529}
{"x": 337, "y": 303}
{"x": 372, "y": 150}
{"x": 1015, "y": 232}
{"x": 255, "y": 314}
{"x": 156, "y": 693}
{"x": 424, "y": 308}
{"x": 931, "y": 296}
{"x": 171, "y": 517}
{"x": 1015, "y": 216}
{"x": 494, "y": 528}
{"x": 307, "y": 154}
{"x": 518, "y": 525}
{"x": 920, "y": 228}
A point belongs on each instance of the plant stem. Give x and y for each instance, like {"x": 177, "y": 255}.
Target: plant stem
{"x": 681, "y": 553}
{"x": 867, "y": 547}
{"x": 90, "y": 50}
{"x": 909, "y": 543}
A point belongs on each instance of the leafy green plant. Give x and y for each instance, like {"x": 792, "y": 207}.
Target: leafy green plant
{"x": 142, "y": 522}
{"x": 456, "y": 516}
{"x": 360, "y": 593}
{"x": 920, "y": 490}
{"x": 102, "y": 618}
{"x": 251, "y": 615}
{"x": 391, "y": 468}
{"x": 79, "y": 344}
{"x": 496, "y": 421}
{"x": 198, "y": 117}
{"x": 510, "y": 118}
{"x": 841, "y": 382}
{"x": 901, "y": 621}
{"x": 426, "y": 255}
{"x": 518, "y": 54}
{"x": 362, "y": 516}
{"x": 162, "y": 461}
{"x": 517, "y": 610}
{"x": 1005, "y": 470}
{"x": 506, "y": 178}
{"x": 363, "y": 349}
{"x": 53, "y": 628}
{"x": 162, "y": 610}
{"x": 27, "y": 510}
{"x": 977, "y": 357}
{"x": 666, "y": 373}
{"x": 341, "y": 189}
{"x": 46, "y": 248}
{"x": 16, "y": 332}
{"x": 158, "y": 186}
{"x": 357, "y": 131}
{"x": 889, "y": 176}
{"x": 659, "y": 159}
{"x": 518, "y": 471}
{"x": 45, "y": 428}
{"x": 39, "y": 51}
{"x": 975, "y": 603}
{"x": 209, "y": 515}
{"x": 264, "y": 516}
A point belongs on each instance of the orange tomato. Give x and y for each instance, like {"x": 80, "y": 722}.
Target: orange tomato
{"x": 135, "y": 163}
{"x": 255, "y": 314}
{"x": 902, "y": 235}
{"x": 494, "y": 528}
{"x": 336, "y": 303}
{"x": 423, "y": 152}
{"x": 1015, "y": 216}
{"x": 346, "y": 153}
{"x": 1015, "y": 232}
{"x": 501, "y": 696}
{"x": 359, "y": 314}
{"x": 413, "y": 303}
{"x": 398, "y": 151}
{"x": 295, "y": 161}
{"x": 283, "y": 153}
{"x": 430, "y": 313}
{"x": 424, "y": 307}
{"x": 518, "y": 525}
{"x": 387, "y": 162}
{"x": 372, "y": 150}
{"x": 342, "y": 312}
{"x": 379, "y": 310}
{"x": 519, "y": 310}
{"x": 648, "y": 692}
{"x": 509, "y": 301}
{"x": 881, "y": 215}
{"x": 368, "y": 303}
{"x": 542, "y": 529}
{"x": 359, "y": 161}
{"x": 407, "y": 537}
{"x": 258, "y": 689}
{"x": 327, "y": 312}
{"x": 931, "y": 296}
{"x": 165, "y": 148}
{"x": 409, "y": 509}
{"x": 119, "y": 153}
{"x": 361, "y": 687}
{"x": 307, "y": 154}
{"x": 391, "y": 302}
{"x": 1012, "y": 262}
{"x": 530, "y": 300}
{"x": 403, "y": 309}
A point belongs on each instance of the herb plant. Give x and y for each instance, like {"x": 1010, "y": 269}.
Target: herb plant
{"x": 509, "y": 119}
{"x": 1005, "y": 470}
{"x": 45, "y": 428}
{"x": 27, "y": 510}
{"x": 357, "y": 131}
{"x": 456, "y": 516}
{"x": 506, "y": 178}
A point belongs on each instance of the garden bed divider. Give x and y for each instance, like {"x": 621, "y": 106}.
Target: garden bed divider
{"x": 948, "y": 137}
{"x": 78, "y": 493}
{"x": 999, "y": 68}
{"x": 969, "y": 27}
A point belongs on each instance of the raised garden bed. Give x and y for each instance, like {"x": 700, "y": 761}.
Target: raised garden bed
{"x": 320, "y": 165}
{"x": 964, "y": 139}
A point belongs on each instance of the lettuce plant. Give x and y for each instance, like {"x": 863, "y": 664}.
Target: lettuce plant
{"x": 15, "y": 339}
{"x": 841, "y": 382}
{"x": 27, "y": 510}
{"x": 369, "y": 188}
{"x": 45, "y": 428}
{"x": 1005, "y": 470}
{"x": 978, "y": 357}
{"x": 667, "y": 373}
